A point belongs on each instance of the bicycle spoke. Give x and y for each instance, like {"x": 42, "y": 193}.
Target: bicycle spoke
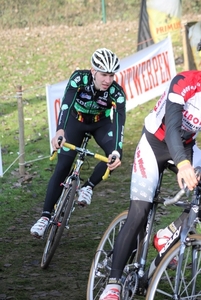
{"x": 59, "y": 222}
{"x": 162, "y": 285}
{"x": 101, "y": 264}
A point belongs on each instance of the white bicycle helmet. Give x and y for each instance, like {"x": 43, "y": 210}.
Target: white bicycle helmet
{"x": 104, "y": 60}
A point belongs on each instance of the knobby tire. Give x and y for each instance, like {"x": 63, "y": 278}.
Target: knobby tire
{"x": 55, "y": 232}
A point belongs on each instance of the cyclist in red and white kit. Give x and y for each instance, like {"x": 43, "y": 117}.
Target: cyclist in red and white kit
{"x": 169, "y": 134}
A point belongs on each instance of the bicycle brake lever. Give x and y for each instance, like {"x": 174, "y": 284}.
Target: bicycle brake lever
{"x": 112, "y": 160}
{"x": 197, "y": 174}
{"x": 186, "y": 189}
{"x": 60, "y": 138}
{"x": 107, "y": 173}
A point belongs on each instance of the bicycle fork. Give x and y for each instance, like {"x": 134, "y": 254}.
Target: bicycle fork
{"x": 61, "y": 206}
{"x": 185, "y": 242}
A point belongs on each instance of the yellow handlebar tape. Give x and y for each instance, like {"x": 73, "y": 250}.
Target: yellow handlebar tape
{"x": 67, "y": 145}
{"x": 101, "y": 157}
{"x": 54, "y": 154}
{"x": 70, "y": 146}
{"x": 97, "y": 156}
{"x": 105, "y": 159}
{"x": 107, "y": 173}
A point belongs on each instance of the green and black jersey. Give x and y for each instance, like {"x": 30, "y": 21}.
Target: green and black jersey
{"x": 81, "y": 98}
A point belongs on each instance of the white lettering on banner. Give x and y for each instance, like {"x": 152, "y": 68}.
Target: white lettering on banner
{"x": 145, "y": 76}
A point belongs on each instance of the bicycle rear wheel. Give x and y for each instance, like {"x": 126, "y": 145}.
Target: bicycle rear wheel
{"x": 163, "y": 280}
{"x": 60, "y": 221}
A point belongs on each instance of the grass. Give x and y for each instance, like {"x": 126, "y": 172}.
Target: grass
{"x": 21, "y": 14}
{"x": 33, "y": 57}
{"x": 21, "y": 205}
{"x": 69, "y": 12}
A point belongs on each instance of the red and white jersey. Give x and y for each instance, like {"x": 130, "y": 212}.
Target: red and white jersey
{"x": 176, "y": 117}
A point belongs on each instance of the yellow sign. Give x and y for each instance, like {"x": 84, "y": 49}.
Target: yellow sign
{"x": 164, "y": 19}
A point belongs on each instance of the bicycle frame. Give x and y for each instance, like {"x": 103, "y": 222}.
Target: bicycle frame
{"x": 140, "y": 265}
{"x": 141, "y": 278}
{"x": 66, "y": 203}
{"x": 185, "y": 240}
{"x": 74, "y": 176}
{"x": 181, "y": 234}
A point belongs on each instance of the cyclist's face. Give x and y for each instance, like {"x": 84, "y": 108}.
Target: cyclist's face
{"x": 102, "y": 80}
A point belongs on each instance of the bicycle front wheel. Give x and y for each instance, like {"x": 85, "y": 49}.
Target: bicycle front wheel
{"x": 100, "y": 268}
{"x": 162, "y": 285}
{"x": 60, "y": 221}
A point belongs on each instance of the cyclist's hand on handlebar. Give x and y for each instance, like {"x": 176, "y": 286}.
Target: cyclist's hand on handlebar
{"x": 58, "y": 141}
{"x": 187, "y": 174}
{"x": 114, "y": 160}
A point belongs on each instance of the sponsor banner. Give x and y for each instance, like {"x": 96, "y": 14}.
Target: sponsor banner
{"x": 194, "y": 37}
{"x": 143, "y": 76}
{"x": 158, "y": 20}
{"x": 54, "y": 95}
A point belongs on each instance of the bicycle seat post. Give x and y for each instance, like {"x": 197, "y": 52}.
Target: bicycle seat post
{"x": 149, "y": 227}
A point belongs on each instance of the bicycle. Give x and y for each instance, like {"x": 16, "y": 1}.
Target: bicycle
{"x": 65, "y": 205}
{"x": 156, "y": 279}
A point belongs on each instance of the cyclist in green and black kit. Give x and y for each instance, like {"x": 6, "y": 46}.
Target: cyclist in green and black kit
{"x": 89, "y": 97}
